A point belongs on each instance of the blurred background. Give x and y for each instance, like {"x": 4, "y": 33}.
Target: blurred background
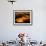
{"x": 9, "y": 31}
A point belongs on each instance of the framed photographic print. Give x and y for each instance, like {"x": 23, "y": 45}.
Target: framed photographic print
{"x": 22, "y": 17}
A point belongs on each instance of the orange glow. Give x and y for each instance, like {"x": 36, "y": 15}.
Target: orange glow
{"x": 22, "y": 19}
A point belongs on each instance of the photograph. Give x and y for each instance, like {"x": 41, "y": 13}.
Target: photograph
{"x": 22, "y": 16}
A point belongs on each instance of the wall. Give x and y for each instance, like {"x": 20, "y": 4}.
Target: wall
{"x": 8, "y": 31}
